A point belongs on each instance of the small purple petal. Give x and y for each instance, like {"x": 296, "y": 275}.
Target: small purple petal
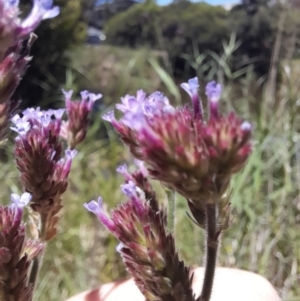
{"x": 84, "y": 94}
{"x": 191, "y": 87}
{"x": 129, "y": 104}
{"x": 246, "y": 126}
{"x": 21, "y": 126}
{"x": 135, "y": 121}
{"x": 93, "y": 97}
{"x": 13, "y": 2}
{"x": 42, "y": 9}
{"x": 58, "y": 114}
{"x": 129, "y": 189}
{"x": 140, "y": 96}
{"x": 97, "y": 209}
{"x": 213, "y": 91}
{"x": 71, "y": 153}
{"x": 21, "y": 201}
{"x": 122, "y": 169}
{"x": 110, "y": 116}
{"x": 68, "y": 94}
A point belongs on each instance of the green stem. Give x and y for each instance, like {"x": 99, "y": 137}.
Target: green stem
{"x": 211, "y": 251}
{"x": 171, "y": 211}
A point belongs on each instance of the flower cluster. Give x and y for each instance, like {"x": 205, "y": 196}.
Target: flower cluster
{"x": 191, "y": 155}
{"x": 147, "y": 250}
{"x": 75, "y": 128}
{"x": 16, "y": 252}
{"x": 39, "y": 158}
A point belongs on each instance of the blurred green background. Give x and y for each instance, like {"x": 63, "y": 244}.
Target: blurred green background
{"x": 117, "y": 47}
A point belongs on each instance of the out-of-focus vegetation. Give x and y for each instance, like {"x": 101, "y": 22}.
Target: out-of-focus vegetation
{"x": 186, "y": 27}
{"x": 177, "y": 42}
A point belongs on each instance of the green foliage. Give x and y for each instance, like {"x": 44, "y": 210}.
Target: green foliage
{"x": 56, "y": 37}
{"x": 177, "y": 28}
{"x": 257, "y": 35}
{"x": 134, "y": 27}
{"x": 196, "y": 28}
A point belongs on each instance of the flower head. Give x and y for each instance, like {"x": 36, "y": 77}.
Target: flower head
{"x": 192, "y": 156}
{"x": 75, "y": 128}
{"x": 38, "y": 150}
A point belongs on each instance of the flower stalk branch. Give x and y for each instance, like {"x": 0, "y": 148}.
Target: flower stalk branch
{"x": 211, "y": 251}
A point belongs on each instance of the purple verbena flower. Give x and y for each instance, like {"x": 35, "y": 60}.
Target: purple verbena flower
{"x": 192, "y": 87}
{"x": 180, "y": 149}
{"x": 213, "y": 92}
{"x": 97, "y": 209}
{"x": 21, "y": 201}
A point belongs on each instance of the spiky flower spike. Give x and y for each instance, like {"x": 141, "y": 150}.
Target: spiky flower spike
{"x": 16, "y": 253}
{"x": 193, "y": 156}
{"x": 147, "y": 250}
{"x": 75, "y": 128}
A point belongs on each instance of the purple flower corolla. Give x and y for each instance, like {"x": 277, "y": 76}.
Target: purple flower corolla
{"x": 42, "y": 10}
{"x": 192, "y": 87}
{"x": 58, "y": 114}
{"x": 129, "y": 189}
{"x": 66, "y": 163}
{"x": 246, "y": 126}
{"x": 88, "y": 99}
{"x": 131, "y": 103}
{"x": 21, "y": 201}
{"x": 68, "y": 95}
{"x": 213, "y": 91}
{"x": 135, "y": 121}
{"x": 97, "y": 209}
{"x": 22, "y": 126}
{"x": 157, "y": 103}
{"x": 122, "y": 169}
